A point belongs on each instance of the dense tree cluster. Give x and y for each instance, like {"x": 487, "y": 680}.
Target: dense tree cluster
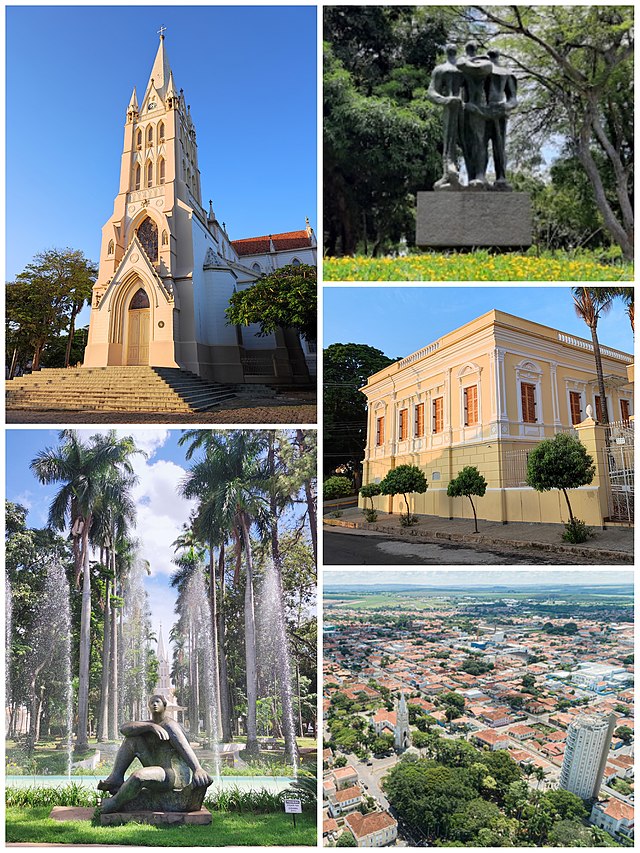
{"x": 346, "y": 369}
{"x": 41, "y": 309}
{"x": 458, "y": 795}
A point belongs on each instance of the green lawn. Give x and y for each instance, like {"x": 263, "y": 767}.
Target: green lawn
{"x": 227, "y": 829}
{"x": 477, "y": 266}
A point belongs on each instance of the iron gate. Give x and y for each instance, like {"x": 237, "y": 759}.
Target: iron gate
{"x": 618, "y": 466}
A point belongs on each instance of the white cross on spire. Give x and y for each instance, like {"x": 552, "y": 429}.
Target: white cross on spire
{"x": 161, "y": 32}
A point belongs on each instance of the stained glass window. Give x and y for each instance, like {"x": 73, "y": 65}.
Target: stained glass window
{"x": 148, "y": 236}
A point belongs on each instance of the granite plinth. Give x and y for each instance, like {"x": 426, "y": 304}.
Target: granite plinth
{"x": 202, "y": 817}
{"x": 467, "y": 219}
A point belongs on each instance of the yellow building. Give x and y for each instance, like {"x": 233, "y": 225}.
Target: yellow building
{"x": 484, "y": 395}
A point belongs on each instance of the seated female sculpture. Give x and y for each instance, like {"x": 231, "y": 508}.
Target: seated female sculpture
{"x": 171, "y": 777}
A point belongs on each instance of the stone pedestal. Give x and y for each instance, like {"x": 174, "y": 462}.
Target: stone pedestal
{"x": 202, "y": 818}
{"x": 468, "y": 219}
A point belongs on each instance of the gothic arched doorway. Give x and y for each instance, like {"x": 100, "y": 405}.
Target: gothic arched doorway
{"x": 138, "y": 323}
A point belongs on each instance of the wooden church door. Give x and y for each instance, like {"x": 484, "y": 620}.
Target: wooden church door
{"x": 138, "y": 329}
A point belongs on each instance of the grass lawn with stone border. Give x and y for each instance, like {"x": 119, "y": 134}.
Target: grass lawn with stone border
{"x": 33, "y": 826}
{"x": 478, "y": 266}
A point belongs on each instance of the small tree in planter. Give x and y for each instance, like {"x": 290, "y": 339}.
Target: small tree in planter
{"x": 562, "y": 462}
{"x": 468, "y": 482}
{"x": 370, "y": 491}
{"x": 404, "y": 480}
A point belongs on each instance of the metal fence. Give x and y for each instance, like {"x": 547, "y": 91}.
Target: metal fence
{"x": 618, "y": 468}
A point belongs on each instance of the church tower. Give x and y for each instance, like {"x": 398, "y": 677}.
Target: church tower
{"x": 168, "y": 268}
{"x": 401, "y": 733}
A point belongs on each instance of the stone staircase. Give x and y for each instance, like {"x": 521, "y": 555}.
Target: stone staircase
{"x": 115, "y": 389}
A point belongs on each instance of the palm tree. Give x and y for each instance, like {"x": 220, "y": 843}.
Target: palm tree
{"x": 114, "y": 514}
{"x": 229, "y": 482}
{"x": 541, "y": 774}
{"x": 82, "y": 469}
{"x": 591, "y": 303}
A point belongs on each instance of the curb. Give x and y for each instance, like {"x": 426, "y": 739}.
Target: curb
{"x": 479, "y": 538}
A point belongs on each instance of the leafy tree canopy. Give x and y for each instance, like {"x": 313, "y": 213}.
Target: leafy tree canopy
{"x": 286, "y": 298}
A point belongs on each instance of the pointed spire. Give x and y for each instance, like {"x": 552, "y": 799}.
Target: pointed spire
{"x": 212, "y": 215}
{"x": 171, "y": 88}
{"x": 160, "y": 73}
{"x": 161, "y": 652}
{"x": 133, "y": 103}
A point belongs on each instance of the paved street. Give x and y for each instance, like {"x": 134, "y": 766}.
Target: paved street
{"x": 349, "y": 548}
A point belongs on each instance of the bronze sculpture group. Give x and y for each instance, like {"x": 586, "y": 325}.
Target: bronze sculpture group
{"x": 477, "y": 94}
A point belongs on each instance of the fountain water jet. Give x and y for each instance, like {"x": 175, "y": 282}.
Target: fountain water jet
{"x": 136, "y": 629}
{"x": 200, "y": 625}
{"x": 8, "y": 618}
{"x": 274, "y": 647}
{"x": 50, "y": 658}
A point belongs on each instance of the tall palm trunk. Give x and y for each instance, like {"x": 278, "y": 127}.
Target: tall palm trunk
{"x": 282, "y": 658}
{"x": 213, "y": 597}
{"x": 600, "y": 373}
{"x": 82, "y": 741}
{"x": 225, "y": 709}
{"x": 252, "y": 746}
{"x": 311, "y": 504}
{"x": 103, "y": 715}
{"x": 114, "y": 660}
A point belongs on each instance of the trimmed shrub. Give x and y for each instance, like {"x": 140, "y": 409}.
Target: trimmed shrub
{"x": 336, "y": 487}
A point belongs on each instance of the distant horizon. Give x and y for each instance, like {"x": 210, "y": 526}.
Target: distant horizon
{"x": 468, "y": 580}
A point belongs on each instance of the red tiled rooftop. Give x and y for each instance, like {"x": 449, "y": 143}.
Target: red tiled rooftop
{"x": 285, "y": 240}
{"x": 348, "y": 794}
{"x": 361, "y": 825}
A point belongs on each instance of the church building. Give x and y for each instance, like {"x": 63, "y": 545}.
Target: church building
{"x": 168, "y": 266}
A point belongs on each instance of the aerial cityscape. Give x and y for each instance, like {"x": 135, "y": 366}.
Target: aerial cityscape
{"x": 490, "y": 711}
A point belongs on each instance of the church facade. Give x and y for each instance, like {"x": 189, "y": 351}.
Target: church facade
{"x": 168, "y": 267}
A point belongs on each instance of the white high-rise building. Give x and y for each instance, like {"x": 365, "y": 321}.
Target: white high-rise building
{"x": 585, "y": 756}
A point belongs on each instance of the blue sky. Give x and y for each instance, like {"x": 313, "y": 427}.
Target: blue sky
{"x": 401, "y": 320}
{"x": 248, "y": 72}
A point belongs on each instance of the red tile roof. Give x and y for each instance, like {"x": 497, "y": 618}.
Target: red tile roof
{"x": 361, "y": 825}
{"x": 281, "y": 242}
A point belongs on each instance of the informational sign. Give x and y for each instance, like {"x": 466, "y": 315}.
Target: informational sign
{"x": 293, "y": 806}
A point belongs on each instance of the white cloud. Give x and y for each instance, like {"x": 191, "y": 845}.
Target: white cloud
{"x": 25, "y": 499}
{"x": 161, "y": 511}
{"x": 148, "y": 440}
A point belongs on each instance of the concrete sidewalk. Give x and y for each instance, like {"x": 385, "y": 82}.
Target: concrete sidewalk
{"x": 615, "y": 544}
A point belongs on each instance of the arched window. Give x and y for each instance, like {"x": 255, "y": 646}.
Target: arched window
{"x": 257, "y": 267}
{"x": 136, "y": 182}
{"x": 139, "y": 140}
{"x": 149, "y": 174}
{"x": 110, "y": 248}
{"x": 140, "y": 300}
{"x": 165, "y": 238}
{"x": 161, "y": 132}
{"x": 295, "y": 262}
{"x": 161, "y": 168}
{"x": 148, "y": 235}
{"x": 149, "y": 135}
